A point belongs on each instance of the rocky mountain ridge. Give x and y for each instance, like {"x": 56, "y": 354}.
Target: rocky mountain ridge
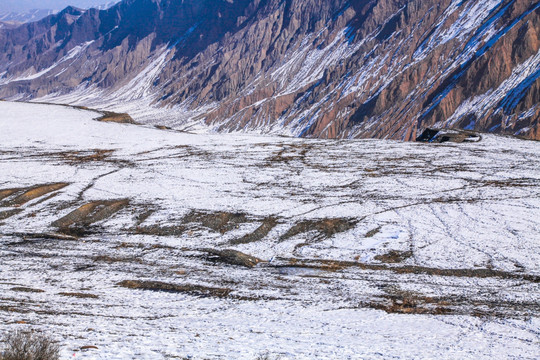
{"x": 314, "y": 68}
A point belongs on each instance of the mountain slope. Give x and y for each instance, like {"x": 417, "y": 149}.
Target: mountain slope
{"x": 321, "y": 68}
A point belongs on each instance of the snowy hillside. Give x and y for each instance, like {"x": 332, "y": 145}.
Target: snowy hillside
{"x": 26, "y": 16}
{"x": 116, "y": 236}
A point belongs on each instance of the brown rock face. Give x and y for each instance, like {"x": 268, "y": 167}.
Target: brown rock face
{"x": 317, "y": 68}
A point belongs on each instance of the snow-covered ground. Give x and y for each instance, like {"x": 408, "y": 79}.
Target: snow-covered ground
{"x": 371, "y": 249}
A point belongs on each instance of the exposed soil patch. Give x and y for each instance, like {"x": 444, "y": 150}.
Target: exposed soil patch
{"x": 393, "y": 256}
{"x": 90, "y": 213}
{"x": 88, "y": 347}
{"x": 407, "y": 303}
{"x": 9, "y": 213}
{"x": 142, "y": 217}
{"x": 31, "y": 193}
{"x": 122, "y": 118}
{"x": 408, "y": 269}
{"x": 14, "y": 309}
{"x": 111, "y": 259}
{"x": 260, "y": 233}
{"x": 195, "y": 290}
{"x": 26, "y": 289}
{"x": 326, "y": 227}
{"x": 7, "y": 192}
{"x": 78, "y": 157}
{"x": 330, "y": 266}
{"x": 290, "y": 153}
{"x": 79, "y": 295}
{"x": 158, "y": 230}
{"x": 372, "y": 233}
{"x": 233, "y": 257}
{"x": 50, "y": 236}
{"x": 511, "y": 183}
{"x": 221, "y": 222}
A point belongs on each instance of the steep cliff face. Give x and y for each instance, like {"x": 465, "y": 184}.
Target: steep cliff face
{"x": 321, "y": 68}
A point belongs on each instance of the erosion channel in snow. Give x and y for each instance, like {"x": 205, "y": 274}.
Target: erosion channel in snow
{"x": 119, "y": 237}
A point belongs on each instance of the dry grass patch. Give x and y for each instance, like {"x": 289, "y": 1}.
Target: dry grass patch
{"x": 90, "y": 213}
{"x": 30, "y": 194}
{"x": 121, "y": 118}
{"x": 29, "y": 346}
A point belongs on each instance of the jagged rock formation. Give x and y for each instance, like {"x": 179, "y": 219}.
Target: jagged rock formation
{"x": 320, "y": 68}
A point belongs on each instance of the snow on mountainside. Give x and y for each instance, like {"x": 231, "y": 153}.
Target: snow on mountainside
{"x": 26, "y": 16}
{"x": 38, "y": 14}
{"x": 314, "y": 68}
{"x": 117, "y": 239}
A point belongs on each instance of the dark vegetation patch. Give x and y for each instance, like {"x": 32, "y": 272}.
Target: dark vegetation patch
{"x": 373, "y": 232}
{"x": 143, "y": 246}
{"x": 394, "y": 256}
{"x": 295, "y": 263}
{"x": 78, "y": 157}
{"x": 121, "y": 118}
{"x": 260, "y": 233}
{"x": 326, "y": 227}
{"x": 290, "y": 153}
{"x": 232, "y": 257}
{"x": 116, "y": 259}
{"x": 45, "y": 236}
{"x": 195, "y": 290}
{"x": 142, "y": 217}
{"x": 441, "y": 136}
{"x": 221, "y": 222}
{"x": 79, "y": 295}
{"x": 158, "y": 230}
{"x": 405, "y": 302}
{"x": 163, "y": 127}
{"x": 88, "y": 347}
{"x": 8, "y": 308}
{"x": 9, "y": 213}
{"x": 26, "y": 289}
{"x": 128, "y": 245}
{"x": 404, "y": 269}
{"x": 408, "y": 303}
{"x": 526, "y": 182}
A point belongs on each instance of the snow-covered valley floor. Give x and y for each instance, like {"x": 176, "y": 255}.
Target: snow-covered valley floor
{"x": 112, "y": 236}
